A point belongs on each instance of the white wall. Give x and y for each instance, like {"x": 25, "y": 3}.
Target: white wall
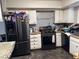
{"x": 37, "y": 3}
{"x": 33, "y": 4}
{"x": 4, "y": 5}
{"x": 2, "y": 26}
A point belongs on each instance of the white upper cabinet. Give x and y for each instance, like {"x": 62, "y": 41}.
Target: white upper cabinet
{"x": 61, "y": 13}
{"x": 56, "y": 16}
{"x": 78, "y": 15}
{"x": 32, "y": 17}
{"x": 59, "y": 16}
{"x": 69, "y": 15}
{"x": 65, "y": 16}
{"x": 31, "y": 13}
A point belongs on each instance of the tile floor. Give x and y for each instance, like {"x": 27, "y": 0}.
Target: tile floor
{"x": 57, "y": 53}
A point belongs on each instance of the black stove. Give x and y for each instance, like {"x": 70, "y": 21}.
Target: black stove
{"x": 46, "y": 36}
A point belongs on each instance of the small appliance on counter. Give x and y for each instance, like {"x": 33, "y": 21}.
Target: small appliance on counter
{"x": 66, "y": 29}
{"x": 33, "y": 29}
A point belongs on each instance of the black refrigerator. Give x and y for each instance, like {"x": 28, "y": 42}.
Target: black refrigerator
{"x": 17, "y": 29}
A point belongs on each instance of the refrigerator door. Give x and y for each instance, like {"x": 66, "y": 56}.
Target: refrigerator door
{"x": 21, "y": 49}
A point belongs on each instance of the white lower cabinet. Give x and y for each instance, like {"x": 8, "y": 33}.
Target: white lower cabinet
{"x": 58, "y": 39}
{"x": 35, "y": 41}
{"x": 74, "y": 45}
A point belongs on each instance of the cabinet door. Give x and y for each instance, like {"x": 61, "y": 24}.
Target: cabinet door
{"x": 39, "y": 42}
{"x": 77, "y": 12}
{"x": 59, "y": 16}
{"x": 69, "y": 15}
{"x": 32, "y": 16}
{"x": 53, "y": 39}
{"x": 58, "y": 39}
{"x": 74, "y": 47}
{"x": 56, "y": 16}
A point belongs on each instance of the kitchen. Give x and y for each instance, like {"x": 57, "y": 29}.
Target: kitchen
{"x": 41, "y": 29}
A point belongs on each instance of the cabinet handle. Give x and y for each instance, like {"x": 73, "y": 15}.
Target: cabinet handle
{"x": 76, "y": 46}
{"x": 34, "y": 43}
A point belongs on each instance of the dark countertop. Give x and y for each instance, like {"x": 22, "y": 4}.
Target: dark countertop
{"x": 75, "y": 34}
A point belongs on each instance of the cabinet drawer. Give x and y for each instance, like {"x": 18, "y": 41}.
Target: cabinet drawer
{"x": 58, "y": 34}
{"x": 34, "y": 40}
{"x": 35, "y": 46}
{"x": 32, "y": 47}
{"x": 39, "y": 35}
{"x": 35, "y": 36}
{"x": 34, "y": 43}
